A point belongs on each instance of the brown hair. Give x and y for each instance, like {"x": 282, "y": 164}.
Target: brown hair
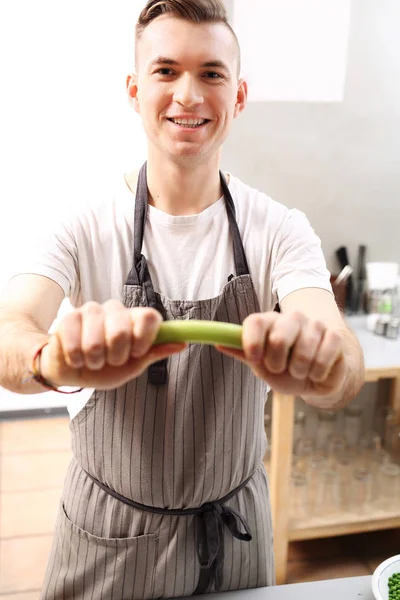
{"x": 194, "y": 11}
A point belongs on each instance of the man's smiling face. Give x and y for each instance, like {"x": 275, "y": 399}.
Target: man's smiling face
{"x": 187, "y": 89}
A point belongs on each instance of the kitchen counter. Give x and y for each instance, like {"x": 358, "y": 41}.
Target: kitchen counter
{"x": 379, "y": 352}
{"x": 382, "y": 361}
{"x": 350, "y": 588}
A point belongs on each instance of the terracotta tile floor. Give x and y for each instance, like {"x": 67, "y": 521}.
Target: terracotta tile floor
{"x": 34, "y": 455}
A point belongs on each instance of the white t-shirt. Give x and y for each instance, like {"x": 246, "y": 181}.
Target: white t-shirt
{"x": 189, "y": 257}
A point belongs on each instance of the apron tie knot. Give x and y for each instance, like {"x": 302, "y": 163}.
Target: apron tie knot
{"x": 209, "y": 531}
{"x": 210, "y": 538}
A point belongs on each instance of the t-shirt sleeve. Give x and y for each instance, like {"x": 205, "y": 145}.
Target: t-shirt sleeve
{"x": 53, "y": 254}
{"x": 299, "y": 261}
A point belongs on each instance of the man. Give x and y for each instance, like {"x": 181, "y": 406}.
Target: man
{"x": 166, "y": 494}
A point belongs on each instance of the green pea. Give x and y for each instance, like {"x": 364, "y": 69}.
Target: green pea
{"x": 394, "y": 586}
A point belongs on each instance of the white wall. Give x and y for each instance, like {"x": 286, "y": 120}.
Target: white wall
{"x": 339, "y": 162}
{"x": 279, "y": 39}
{"x": 66, "y": 127}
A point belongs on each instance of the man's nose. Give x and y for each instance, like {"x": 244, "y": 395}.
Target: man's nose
{"x": 187, "y": 92}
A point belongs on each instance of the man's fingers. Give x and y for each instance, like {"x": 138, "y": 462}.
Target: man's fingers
{"x": 93, "y": 336}
{"x": 280, "y": 340}
{"x": 118, "y": 333}
{"x": 305, "y": 349}
{"x": 146, "y": 323}
{"x": 327, "y": 355}
{"x": 239, "y": 354}
{"x": 255, "y": 330}
{"x": 160, "y": 352}
{"x": 69, "y": 335}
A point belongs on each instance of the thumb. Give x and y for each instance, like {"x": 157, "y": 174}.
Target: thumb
{"x": 161, "y": 351}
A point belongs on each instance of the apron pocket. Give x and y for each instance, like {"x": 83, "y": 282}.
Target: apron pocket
{"x": 87, "y": 566}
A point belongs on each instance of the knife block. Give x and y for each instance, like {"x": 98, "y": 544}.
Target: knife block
{"x": 339, "y": 291}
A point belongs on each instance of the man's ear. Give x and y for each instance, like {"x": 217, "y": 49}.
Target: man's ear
{"x": 132, "y": 89}
{"x": 241, "y": 100}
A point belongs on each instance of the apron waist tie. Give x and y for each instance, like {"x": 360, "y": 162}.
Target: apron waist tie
{"x": 209, "y": 534}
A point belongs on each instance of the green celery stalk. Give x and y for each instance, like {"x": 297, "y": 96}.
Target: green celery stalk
{"x": 200, "y": 332}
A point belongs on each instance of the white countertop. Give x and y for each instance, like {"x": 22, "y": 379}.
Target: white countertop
{"x": 379, "y": 352}
{"x": 351, "y": 588}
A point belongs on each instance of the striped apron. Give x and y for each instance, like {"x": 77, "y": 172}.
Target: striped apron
{"x": 166, "y": 495}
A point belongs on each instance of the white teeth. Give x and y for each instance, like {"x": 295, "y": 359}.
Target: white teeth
{"x": 189, "y": 122}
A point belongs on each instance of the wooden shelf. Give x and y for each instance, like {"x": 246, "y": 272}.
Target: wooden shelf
{"x": 372, "y": 375}
{"x": 343, "y": 523}
{"x": 279, "y": 469}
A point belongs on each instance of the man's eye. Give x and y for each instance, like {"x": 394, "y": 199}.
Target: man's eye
{"x": 212, "y": 75}
{"x": 165, "y": 71}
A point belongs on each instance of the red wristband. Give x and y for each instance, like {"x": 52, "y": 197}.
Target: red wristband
{"x": 38, "y": 377}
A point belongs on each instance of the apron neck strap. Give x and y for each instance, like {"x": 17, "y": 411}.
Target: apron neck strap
{"x": 241, "y": 265}
{"x": 140, "y": 275}
{"x": 141, "y": 203}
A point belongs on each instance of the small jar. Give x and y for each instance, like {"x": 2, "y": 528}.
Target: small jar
{"x": 379, "y": 456}
{"x": 336, "y": 448}
{"x": 389, "y": 485}
{"x": 393, "y": 443}
{"x": 380, "y": 326}
{"x": 316, "y": 465}
{"x": 299, "y": 430}
{"x": 384, "y": 420}
{"x": 346, "y": 463}
{"x": 352, "y": 425}
{"x": 326, "y": 428}
{"x": 299, "y": 507}
{"x": 360, "y": 497}
{"x": 365, "y": 450}
{"x": 393, "y": 328}
{"x": 304, "y": 447}
{"x": 328, "y": 499}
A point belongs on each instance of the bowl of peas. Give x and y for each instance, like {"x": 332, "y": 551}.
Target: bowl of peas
{"x": 386, "y": 579}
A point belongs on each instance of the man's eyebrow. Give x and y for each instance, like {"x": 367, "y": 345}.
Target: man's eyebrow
{"x": 164, "y": 60}
{"x": 218, "y": 64}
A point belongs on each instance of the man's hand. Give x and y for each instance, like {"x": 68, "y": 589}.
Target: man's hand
{"x": 292, "y": 353}
{"x": 103, "y": 346}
